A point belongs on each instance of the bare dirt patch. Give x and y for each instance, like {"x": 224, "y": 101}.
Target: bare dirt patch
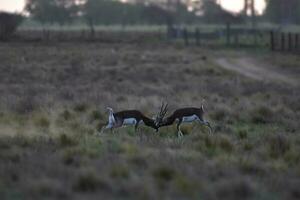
{"x": 255, "y": 70}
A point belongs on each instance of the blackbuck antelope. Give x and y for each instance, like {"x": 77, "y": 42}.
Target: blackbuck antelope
{"x": 182, "y": 115}
{"x": 128, "y": 117}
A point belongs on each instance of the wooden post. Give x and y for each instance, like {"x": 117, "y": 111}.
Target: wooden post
{"x": 272, "y": 41}
{"x": 255, "y": 32}
{"x": 197, "y": 36}
{"x": 290, "y": 41}
{"x": 282, "y": 42}
{"x": 228, "y": 33}
{"x": 236, "y": 39}
{"x": 296, "y": 41}
{"x": 186, "y": 36}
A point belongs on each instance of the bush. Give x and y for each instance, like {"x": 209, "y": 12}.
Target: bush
{"x": 225, "y": 144}
{"x": 88, "y": 181}
{"x": 279, "y": 144}
{"x": 262, "y": 115}
{"x": 96, "y": 115}
{"x": 66, "y": 140}
{"x": 9, "y": 24}
{"x": 42, "y": 122}
{"x": 164, "y": 173}
{"x": 80, "y": 107}
{"x": 119, "y": 171}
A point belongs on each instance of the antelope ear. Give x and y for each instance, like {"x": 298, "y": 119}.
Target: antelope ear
{"x": 202, "y": 104}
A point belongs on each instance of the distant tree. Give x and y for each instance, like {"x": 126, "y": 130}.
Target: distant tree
{"x": 8, "y": 24}
{"x": 283, "y": 12}
{"x": 91, "y": 13}
{"x": 183, "y": 15}
{"x": 52, "y": 11}
{"x": 214, "y": 13}
{"x": 110, "y": 12}
{"x": 154, "y": 14}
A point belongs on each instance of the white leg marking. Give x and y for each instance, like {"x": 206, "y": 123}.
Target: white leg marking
{"x": 180, "y": 134}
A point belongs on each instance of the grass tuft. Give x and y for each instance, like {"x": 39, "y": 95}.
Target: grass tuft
{"x": 242, "y": 133}
{"x": 119, "y": 171}
{"x": 66, "y": 140}
{"x": 66, "y": 115}
{"x": 164, "y": 173}
{"x": 96, "y": 115}
{"x": 279, "y": 144}
{"x": 226, "y": 144}
{"x": 42, "y": 122}
{"x": 262, "y": 115}
{"x": 80, "y": 107}
{"x": 88, "y": 181}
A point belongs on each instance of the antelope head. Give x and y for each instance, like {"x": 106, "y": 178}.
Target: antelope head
{"x": 162, "y": 113}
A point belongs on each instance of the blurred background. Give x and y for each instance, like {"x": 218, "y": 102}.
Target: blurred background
{"x": 151, "y": 14}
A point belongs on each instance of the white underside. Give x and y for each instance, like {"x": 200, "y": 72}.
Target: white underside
{"x": 129, "y": 121}
{"x": 189, "y": 119}
{"x": 126, "y": 122}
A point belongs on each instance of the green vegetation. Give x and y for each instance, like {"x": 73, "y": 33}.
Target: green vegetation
{"x": 53, "y": 100}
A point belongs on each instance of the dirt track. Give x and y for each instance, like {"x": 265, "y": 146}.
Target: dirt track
{"x": 255, "y": 70}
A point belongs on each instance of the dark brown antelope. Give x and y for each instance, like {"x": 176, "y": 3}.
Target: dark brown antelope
{"x": 128, "y": 117}
{"x": 182, "y": 115}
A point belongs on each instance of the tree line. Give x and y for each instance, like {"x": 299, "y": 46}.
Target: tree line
{"x": 107, "y": 12}
{"x": 170, "y": 12}
{"x": 283, "y": 12}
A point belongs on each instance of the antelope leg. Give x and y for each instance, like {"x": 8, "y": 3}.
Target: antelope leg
{"x": 179, "y": 133}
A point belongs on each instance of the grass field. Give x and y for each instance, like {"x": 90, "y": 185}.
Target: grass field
{"x": 52, "y": 104}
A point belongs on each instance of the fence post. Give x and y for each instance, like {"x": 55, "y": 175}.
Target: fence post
{"x": 255, "y": 32}
{"x": 228, "y": 33}
{"x": 282, "y": 42}
{"x": 186, "y": 36}
{"x": 296, "y": 41}
{"x": 272, "y": 41}
{"x": 290, "y": 41}
{"x": 197, "y": 36}
{"x": 236, "y": 39}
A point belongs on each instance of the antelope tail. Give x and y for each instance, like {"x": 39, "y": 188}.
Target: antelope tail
{"x": 111, "y": 118}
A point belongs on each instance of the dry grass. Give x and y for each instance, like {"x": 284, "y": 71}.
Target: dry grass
{"x": 52, "y": 103}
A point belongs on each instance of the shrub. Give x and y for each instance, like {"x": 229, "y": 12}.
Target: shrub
{"x": 262, "y": 115}
{"x": 119, "y": 171}
{"x": 164, "y": 173}
{"x": 25, "y": 105}
{"x": 66, "y": 115}
{"x": 225, "y": 144}
{"x": 96, "y": 115}
{"x": 242, "y": 133}
{"x": 279, "y": 144}
{"x": 185, "y": 185}
{"x": 88, "y": 181}
{"x": 219, "y": 115}
{"x": 66, "y": 140}
{"x": 42, "y": 122}
{"x": 248, "y": 146}
{"x": 9, "y": 24}
{"x": 235, "y": 188}
{"x": 80, "y": 107}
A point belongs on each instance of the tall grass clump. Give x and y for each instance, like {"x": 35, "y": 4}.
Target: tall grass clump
{"x": 262, "y": 115}
{"x": 89, "y": 181}
{"x": 278, "y": 145}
